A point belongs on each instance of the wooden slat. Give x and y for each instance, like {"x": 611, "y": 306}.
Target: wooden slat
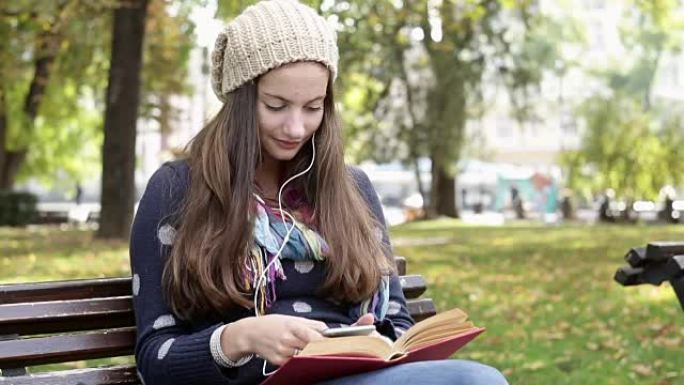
{"x": 117, "y": 375}
{"x": 63, "y": 290}
{"x": 48, "y": 350}
{"x": 660, "y": 251}
{"x": 421, "y": 309}
{"x": 401, "y": 265}
{"x": 412, "y": 285}
{"x": 11, "y": 371}
{"x": 62, "y": 316}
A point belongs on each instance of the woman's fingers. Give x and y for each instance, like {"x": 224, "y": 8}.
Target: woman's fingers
{"x": 288, "y": 348}
{"x": 277, "y": 338}
{"x": 316, "y": 325}
{"x": 366, "y": 319}
{"x": 278, "y": 360}
{"x": 306, "y": 334}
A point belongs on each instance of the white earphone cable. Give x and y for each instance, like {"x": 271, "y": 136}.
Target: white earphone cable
{"x": 283, "y": 213}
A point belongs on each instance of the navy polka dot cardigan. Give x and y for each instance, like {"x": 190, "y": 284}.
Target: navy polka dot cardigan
{"x": 169, "y": 351}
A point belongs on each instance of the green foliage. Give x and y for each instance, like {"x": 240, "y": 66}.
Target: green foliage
{"x": 17, "y": 208}
{"x": 66, "y": 136}
{"x": 631, "y": 142}
{"x": 227, "y": 9}
{"x": 372, "y": 51}
{"x": 168, "y": 42}
{"x": 652, "y": 29}
{"x": 535, "y": 53}
{"x": 623, "y": 150}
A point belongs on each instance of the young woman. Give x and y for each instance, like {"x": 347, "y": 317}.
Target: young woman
{"x": 262, "y": 238}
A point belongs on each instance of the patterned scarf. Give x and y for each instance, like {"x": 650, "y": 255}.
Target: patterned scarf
{"x": 305, "y": 244}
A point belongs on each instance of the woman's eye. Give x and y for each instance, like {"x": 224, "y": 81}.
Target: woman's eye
{"x": 314, "y": 109}
{"x": 275, "y": 108}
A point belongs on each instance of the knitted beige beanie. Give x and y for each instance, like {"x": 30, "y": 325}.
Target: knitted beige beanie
{"x": 267, "y": 35}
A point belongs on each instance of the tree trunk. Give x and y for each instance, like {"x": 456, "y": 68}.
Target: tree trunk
{"x": 447, "y": 114}
{"x": 10, "y": 161}
{"x": 47, "y": 49}
{"x": 443, "y": 191}
{"x": 122, "y": 100}
{"x": 415, "y": 141}
{"x": 3, "y": 133}
{"x": 419, "y": 180}
{"x": 10, "y": 168}
{"x": 165, "y": 129}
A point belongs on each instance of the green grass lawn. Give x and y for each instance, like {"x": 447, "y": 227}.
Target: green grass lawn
{"x": 47, "y": 253}
{"x": 546, "y": 295}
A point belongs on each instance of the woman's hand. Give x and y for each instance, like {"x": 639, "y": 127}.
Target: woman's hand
{"x": 366, "y": 319}
{"x": 369, "y": 319}
{"x": 273, "y": 337}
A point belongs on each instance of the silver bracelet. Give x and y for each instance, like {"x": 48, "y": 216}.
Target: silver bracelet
{"x": 219, "y": 356}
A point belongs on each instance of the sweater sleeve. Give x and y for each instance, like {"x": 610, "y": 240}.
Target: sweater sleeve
{"x": 398, "y": 319}
{"x": 167, "y": 351}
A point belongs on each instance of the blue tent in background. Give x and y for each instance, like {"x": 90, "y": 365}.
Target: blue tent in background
{"x": 538, "y": 191}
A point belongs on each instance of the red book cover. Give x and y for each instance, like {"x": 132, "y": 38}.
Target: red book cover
{"x": 312, "y": 369}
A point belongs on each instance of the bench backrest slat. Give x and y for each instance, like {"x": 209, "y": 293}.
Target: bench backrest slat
{"x": 64, "y": 348}
{"x": 421, "y": 309}
{"x": 413, "y": 286}
{"x": 61, "y": 290}
{"x": 66, "y": 316}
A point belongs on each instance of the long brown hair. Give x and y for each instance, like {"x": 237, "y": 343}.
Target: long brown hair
{"x": 204, "y": 270}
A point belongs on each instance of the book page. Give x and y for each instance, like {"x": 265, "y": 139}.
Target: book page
{"x": 437, "y": 327}
{"x": 424, "y": 340}
{"x": 368, "y": 346}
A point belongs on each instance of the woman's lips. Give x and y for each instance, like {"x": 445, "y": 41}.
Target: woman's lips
{"x": 287, "y": 145}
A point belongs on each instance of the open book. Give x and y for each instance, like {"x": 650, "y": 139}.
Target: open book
{"x": 435, "y": 338}
{"x": 426, "y": 332}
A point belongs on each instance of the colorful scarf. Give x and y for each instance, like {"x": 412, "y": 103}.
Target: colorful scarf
{"x": 305, "y": 244}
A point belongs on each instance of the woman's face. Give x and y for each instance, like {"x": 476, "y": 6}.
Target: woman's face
{"x": 290, "y": 108}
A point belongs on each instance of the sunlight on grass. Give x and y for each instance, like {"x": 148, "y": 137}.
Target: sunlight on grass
{"x": 652, "y": 295}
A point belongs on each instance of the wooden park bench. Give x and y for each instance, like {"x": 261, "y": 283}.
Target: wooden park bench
{"x": 63, "y": 321}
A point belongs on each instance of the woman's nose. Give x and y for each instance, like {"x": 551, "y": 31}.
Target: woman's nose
{"x": 294, "y": 126}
